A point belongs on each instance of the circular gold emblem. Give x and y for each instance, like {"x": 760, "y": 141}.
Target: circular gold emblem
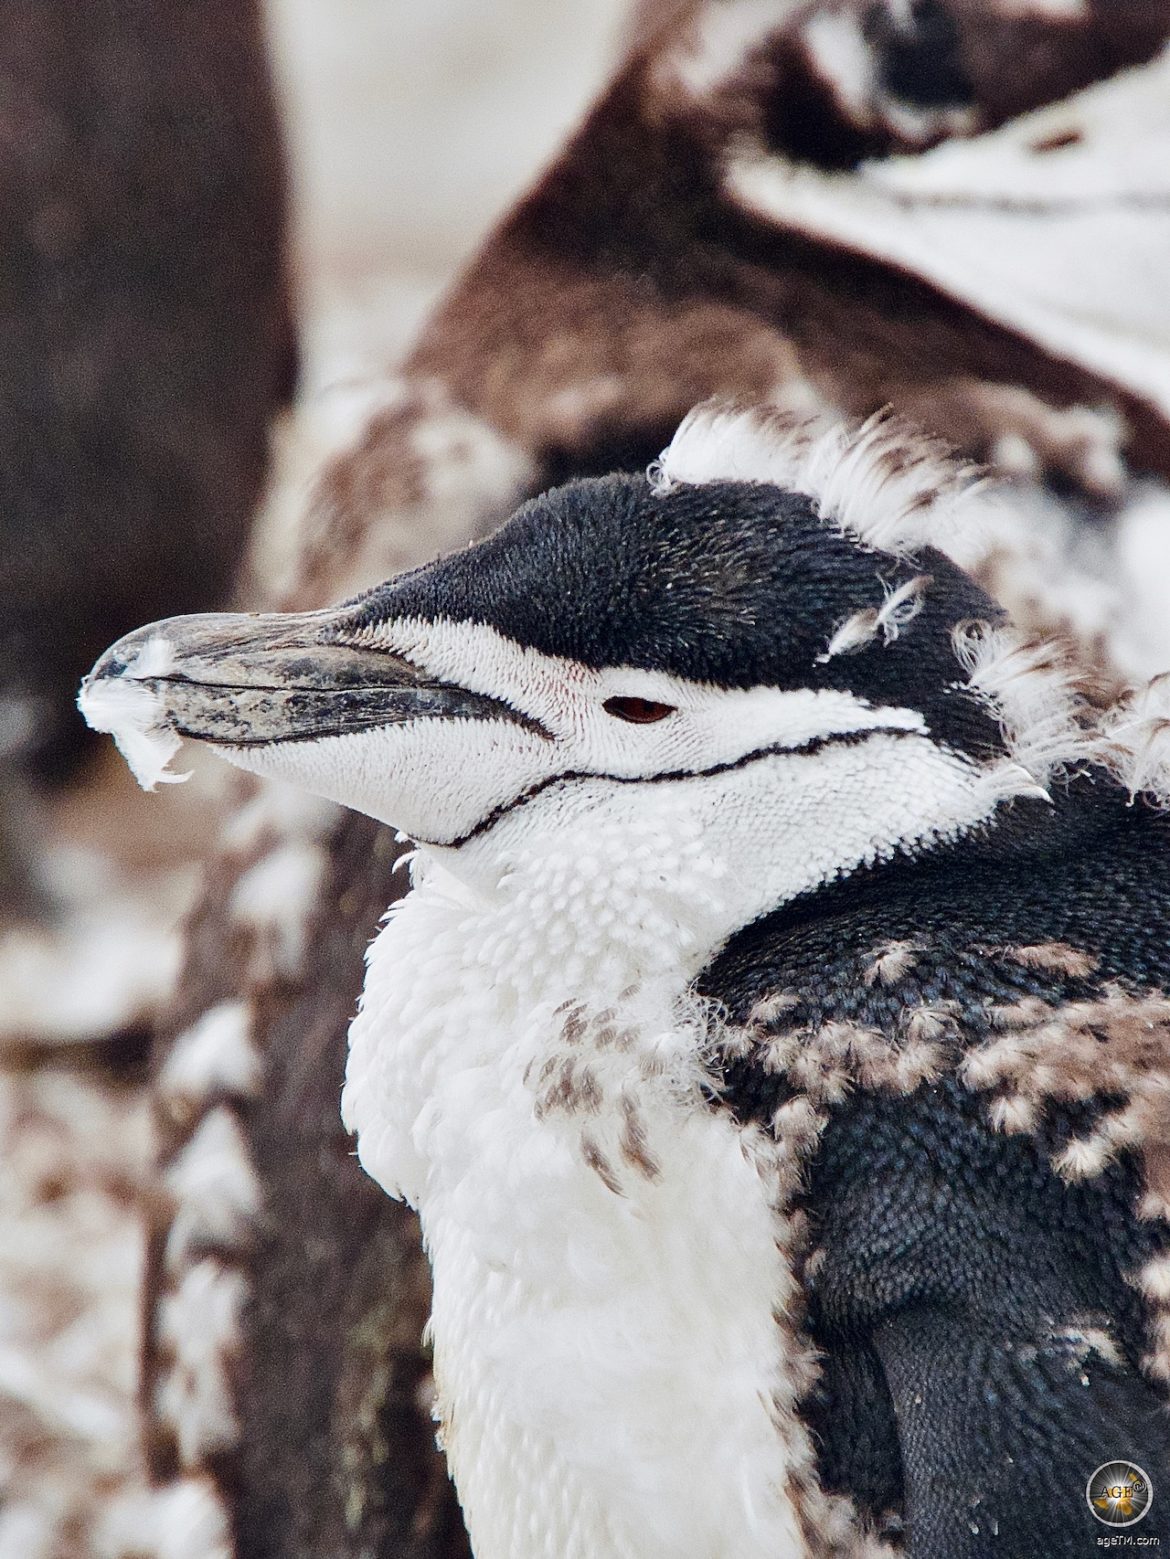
{"x": 1119, "y": 1494}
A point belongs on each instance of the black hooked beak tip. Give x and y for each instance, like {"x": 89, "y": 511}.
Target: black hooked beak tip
{"x": 247, "y": 679}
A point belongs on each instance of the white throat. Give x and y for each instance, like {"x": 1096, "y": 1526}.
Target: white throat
{"x": 527, "y": 1070}
{"x": 611, "y": 881}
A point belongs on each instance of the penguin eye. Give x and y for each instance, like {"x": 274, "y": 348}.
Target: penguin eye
{"x": 638, "y": 711}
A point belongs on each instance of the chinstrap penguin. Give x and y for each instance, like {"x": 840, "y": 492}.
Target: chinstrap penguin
{"x": 775, "y": 1042}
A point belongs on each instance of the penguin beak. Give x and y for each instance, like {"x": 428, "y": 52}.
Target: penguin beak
{"x": 246, "y": 680}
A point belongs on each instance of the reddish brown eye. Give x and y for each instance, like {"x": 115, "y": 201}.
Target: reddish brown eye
{"x": 638, "y": 711}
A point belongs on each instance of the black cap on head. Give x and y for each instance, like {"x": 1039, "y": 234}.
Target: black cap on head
{"x": 734, "y": 583}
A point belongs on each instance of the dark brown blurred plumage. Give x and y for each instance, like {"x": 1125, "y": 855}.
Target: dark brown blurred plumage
{"x": 146, "y": 336}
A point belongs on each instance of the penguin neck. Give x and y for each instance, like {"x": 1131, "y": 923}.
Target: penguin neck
{"x": 1037, "y": 872}
{"x": 600, "y": 884}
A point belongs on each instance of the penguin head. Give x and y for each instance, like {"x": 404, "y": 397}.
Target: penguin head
{"x": 751, "y": 646}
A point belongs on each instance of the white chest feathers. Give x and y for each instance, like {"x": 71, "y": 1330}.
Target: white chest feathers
{"x": 607, "y": 1268}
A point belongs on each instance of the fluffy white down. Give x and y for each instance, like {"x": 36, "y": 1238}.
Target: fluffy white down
{"x": 135, "y": 715}
{"x": 884, "y": 483}
{"x": 525, "y": 1069}
{"x": 605, "y": 1357}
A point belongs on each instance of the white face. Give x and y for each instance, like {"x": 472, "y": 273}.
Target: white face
{"x": 440, "y": 780}
{"x": 785, "y": 788}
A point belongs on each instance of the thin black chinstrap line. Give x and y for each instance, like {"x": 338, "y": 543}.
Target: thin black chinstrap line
{"x": 809, "y": 748}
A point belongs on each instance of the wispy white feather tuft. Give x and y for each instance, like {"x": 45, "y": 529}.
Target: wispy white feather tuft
{"x": 883, "y": 482}
{"x": 1135, "y": 740}
{"x": 899, "y": 607}
{"x": 1031, "y": 689}
{"x": 858, "y": 630}
{"x": 131, "y": 712}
